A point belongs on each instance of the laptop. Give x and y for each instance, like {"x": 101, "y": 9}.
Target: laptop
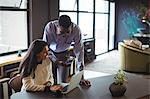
{"x": 74, "y": 82}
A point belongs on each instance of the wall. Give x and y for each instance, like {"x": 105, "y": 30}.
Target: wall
{"x": 41, "y": 11}
{"x": 127, "y": 18}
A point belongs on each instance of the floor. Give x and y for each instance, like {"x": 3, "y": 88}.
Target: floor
{"x": 106, "y": 64}
{"x": 92, "y": 74}
{"x": 103, "y": 65}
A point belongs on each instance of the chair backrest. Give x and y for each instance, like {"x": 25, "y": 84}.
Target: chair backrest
{"x": 16, "y": 83}
{"x": 133, "y": 59}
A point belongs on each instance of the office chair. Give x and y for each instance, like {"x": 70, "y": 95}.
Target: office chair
{"x": 16, "y": 83}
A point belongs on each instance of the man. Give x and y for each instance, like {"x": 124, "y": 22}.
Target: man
{"x": 60, "y": 35}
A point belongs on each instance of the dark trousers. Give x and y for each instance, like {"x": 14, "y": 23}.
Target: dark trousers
{"x": 54, "y": 70}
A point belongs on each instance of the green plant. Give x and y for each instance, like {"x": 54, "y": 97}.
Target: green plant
{"x": 120, "y": 77}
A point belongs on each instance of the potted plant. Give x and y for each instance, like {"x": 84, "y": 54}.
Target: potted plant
{"x": 118, "y": 87}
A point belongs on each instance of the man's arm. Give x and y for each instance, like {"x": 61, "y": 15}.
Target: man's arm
{"x": 79, "y": 49}
{"x": 47, "y": 37}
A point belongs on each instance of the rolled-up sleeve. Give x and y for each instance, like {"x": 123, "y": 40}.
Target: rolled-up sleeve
{"x": 79, "y": 49}
{"x": 47, "y": 37}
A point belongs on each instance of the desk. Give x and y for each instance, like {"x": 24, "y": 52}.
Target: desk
{"x": 136, "y": 87}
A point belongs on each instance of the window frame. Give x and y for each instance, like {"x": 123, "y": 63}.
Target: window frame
{"x": 94, "y": 13}
{"x": 5, "y": 8}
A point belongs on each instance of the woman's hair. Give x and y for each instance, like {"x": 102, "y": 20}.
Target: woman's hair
{"x": 29, "y": 63}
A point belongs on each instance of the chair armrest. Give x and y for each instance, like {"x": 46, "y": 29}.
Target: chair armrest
{"x": 133, "y": 48}
{"x": 2, "y": 80}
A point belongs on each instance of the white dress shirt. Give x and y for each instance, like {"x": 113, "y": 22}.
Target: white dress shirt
{"x": 59, "y": 43}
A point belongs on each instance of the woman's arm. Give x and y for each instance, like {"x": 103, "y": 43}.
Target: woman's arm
{"x": 28, "y": 84}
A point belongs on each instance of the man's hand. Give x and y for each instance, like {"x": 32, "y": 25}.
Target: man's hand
{"x": 56, "y": 88}
{"x": 61, "y": 63}
{"x": 58, "y": 62}
{"x": 85, "y": 82}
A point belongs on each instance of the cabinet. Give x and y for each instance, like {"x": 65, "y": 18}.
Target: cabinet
{"x": 89, "y": 50}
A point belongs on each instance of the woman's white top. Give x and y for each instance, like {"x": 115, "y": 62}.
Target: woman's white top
{"x": 42, "y": 74}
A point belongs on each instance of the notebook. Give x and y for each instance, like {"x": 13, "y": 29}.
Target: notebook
{"x": 74, "y": 82}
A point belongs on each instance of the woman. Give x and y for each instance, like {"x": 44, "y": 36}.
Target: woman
{"x": 36, "y": 69}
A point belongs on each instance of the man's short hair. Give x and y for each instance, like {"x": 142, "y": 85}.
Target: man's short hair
{"x": 64, "y": 21}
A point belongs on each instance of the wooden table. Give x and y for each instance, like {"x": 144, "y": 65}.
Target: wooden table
{"x": 136, "y": 87}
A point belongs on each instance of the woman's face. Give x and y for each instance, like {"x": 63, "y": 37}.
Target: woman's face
{"x": 43, "y": 54}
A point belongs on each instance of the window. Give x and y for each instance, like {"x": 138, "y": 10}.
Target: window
{"x": 13, "y": 26}
{"x": 101, "y": 26}
{"x": 112, "y": 26}
{"x": 86, "y": 5}
{"x": 71, "y": 5}
{"x": 80, "y": 14}
{"x": 86, "y": 24}
{"x": 95, "y": 19}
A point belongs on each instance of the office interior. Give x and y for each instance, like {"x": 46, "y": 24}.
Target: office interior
{"x": 104, "y": 23}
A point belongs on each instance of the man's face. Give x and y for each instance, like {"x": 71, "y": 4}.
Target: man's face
{"x": 65, "y": 31}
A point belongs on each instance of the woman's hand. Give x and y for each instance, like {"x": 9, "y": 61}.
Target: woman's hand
{"x": 56, "y": 87}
